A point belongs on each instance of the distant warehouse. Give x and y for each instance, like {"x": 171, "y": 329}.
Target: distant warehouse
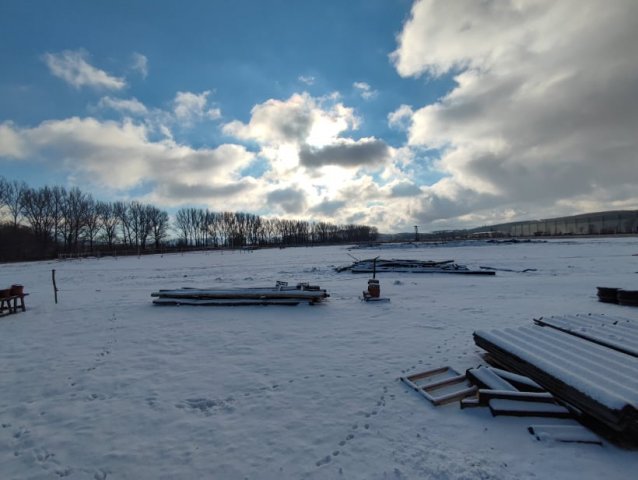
{"x": 600, "y": 223}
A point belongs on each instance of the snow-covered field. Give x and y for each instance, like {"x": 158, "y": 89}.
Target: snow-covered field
{"x": 106, "y": 385}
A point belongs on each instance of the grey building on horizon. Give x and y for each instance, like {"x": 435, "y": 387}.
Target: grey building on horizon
{"x": 599, "y": 223}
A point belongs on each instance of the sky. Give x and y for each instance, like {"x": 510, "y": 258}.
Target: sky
{"x": 391, "y": 113}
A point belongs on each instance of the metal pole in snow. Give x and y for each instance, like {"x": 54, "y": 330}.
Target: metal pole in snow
{"x": 55, "y": 288}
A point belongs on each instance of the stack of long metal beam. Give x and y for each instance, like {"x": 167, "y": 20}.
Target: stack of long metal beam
{"x": 601, "y": 382}
{"x": 279, "y": 295}
{"x": 379, "y": 265}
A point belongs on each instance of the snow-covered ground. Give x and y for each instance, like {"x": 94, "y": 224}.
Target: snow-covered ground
{"x": 106, "y": 385}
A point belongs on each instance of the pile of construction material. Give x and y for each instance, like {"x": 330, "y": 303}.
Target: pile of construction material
{"x": 620, "y": 296}
{"x": 379, "y": 265}
{"x": 504, "y": 393}
{"x": 589, "y": 363}
{"x": 581, "y": 368}
{"x": 281, "y": 294}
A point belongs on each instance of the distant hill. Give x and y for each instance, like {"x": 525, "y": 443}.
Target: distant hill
{"x": 614, "y": 222}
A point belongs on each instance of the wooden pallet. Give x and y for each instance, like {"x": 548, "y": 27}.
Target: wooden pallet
{"x": 441, "y": 385}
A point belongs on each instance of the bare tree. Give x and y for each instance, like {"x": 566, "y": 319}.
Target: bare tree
{"x": 91, "y": 220}
{"x": 75, "y": 214}
{"x": 13, "y": 193}
{"x": 212, "y": 225}
{"x": 108, "y": 222}
{"x": 58, "y": 200}
{"x": 158, "y": 220}
{"x": 183, "y": 224}
{"x": 4, "y": 186}
{"x": 121, "y": 212}
{"x": 139, "y": 223}
{"x": 38, "y": 209}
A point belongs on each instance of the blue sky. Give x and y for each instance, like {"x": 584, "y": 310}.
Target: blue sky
{"x": 388, "y": 112}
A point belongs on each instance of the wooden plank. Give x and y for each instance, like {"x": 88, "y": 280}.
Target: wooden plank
{"x": 564, "y": 433}
{"x": 469, "y": 402}
{"x": 521, "y": 382}
{"x": 515, "y": 408}
{"x": 485, "y": 378}
{"x": 485, "y": 395}
{"x": 429, "y": 373}
{"x": 453, "y": 396}
{"x": 444, "y": 383}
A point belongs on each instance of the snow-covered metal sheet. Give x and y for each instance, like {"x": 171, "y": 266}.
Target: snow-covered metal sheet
{"x": 618, "y": 333}
{"x": 601, "y": 381}
{"x": 259, "y": 293}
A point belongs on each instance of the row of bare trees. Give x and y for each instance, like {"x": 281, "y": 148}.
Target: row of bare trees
{"x": 198, "y": 227}
{"x": 44, "y": 221}
{"x": 61, "y": 220}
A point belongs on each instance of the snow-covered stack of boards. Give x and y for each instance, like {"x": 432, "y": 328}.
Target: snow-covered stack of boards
{"x": 588, "y": 362}
{"x": 281, "y": 294}
{"x": 380, "y": 265}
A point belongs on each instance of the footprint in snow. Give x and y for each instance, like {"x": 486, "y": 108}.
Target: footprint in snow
{"x": 207, "y": 406}
{"x": 100, "y": 475}
{"x": 42, "y": 455}
{"x": 64, "y": 473}
{"x": 21, "y": 432}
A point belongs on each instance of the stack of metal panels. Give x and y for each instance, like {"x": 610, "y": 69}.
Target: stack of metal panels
{"x": 282, "y": 294}
{"x": 618, "y": 333}
{"x": 600, "y": 381}
{"x": 380, "y": 265}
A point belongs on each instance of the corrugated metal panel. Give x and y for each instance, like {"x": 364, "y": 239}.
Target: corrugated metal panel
{"x": 600, "y": 381}
{"x": 619, "y": 334}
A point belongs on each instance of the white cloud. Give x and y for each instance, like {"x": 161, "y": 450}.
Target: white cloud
{"x": 288, "y": 200}
{"x": 298, "y": 120}
{"x": 365, "y": 90}
{"x": 140, "y": 64}
{"x": 11, "y": 143}
{"x": 315, "y": 169}
{"x": 119, "y": 156}
{"x": 72, "y": 67}
{"x": 307, "y": 79}
{"x": 543, "y": 112}
{"x": 189, "y": 107}
{"x": 127, "y": 106}
{"x": 401, "y": 117}
{"x": 346, "y": 153}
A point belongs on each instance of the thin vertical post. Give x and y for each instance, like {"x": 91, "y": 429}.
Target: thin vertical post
{"x": 55, "y": 288}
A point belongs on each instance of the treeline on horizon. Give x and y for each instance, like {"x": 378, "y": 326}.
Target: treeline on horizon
{"x": 39, "y": 223}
